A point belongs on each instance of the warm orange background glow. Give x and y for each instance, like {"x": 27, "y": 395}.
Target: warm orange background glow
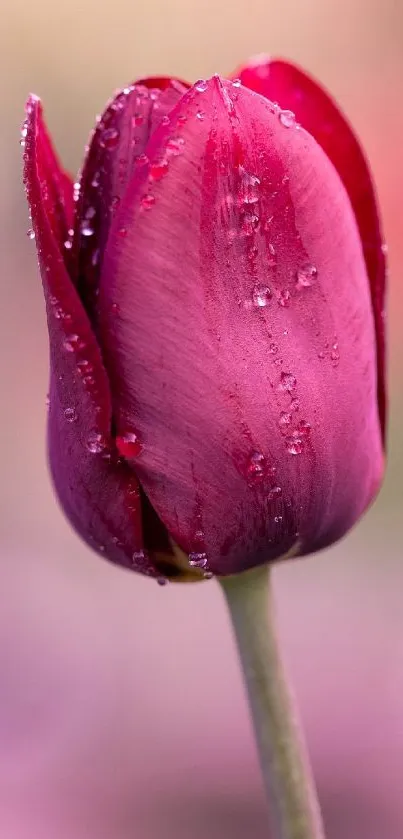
{"x": 122, "y": 714}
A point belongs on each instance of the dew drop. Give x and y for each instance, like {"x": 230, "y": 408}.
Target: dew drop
{"x": 256, "y": 468}
{"x": 274, "y": 492}
{"x": 175, "y": 145}
{"x": 73, "y": 343}
{"x": 31, "y": 233}
{"x": 109, "y": 138}
{"x": 284, "y": 422}
{"x": 201, "y": 85}
{"x": 249, "y": 189}
{"x": 138, "y": 557}
{"x": 122, "y": 232}
{"x": 162, "y": 581}
{"x": 200, "y": 115}
{"x": 261, "y": 296}
{"x": 115, "y": 308}
{"x": 128, "y": 445}
{"x": 273, "y": 348}
{"x": 287, "y": 118}
{"x": 86, "y": 229}
{"x": 304, "y": 428}
{"x": 306, "y": 276}
{"x": 70, "y": 414}
{"x": 96, "y": 442}
{"x": 236, "y": 83}
{"x": 278, "y": 519}
{"x": 182, "y": 119}
{"x": 68, "y": 244}
{"x": 158, "y": 169}
{"x": 288, "y": 382}
{"x": 294, "y": 445}
{"x": 147, "y": 201}
{"x": 198, "y": 559}
{"x": 335, "y": 355}
{"x": 249, "y": 224}
{"x": 284, "y": 298}
{"x": 84, "y": 367}
{"x": 137, "y": 120}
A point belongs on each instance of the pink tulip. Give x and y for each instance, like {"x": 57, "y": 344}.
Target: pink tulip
{"x": 214, "y": 286}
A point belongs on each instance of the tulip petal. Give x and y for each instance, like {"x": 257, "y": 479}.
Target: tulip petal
{"x": 293, "y": 89}
{"x": 236, "y": 327}
{"x": 98, "y": 492}
{"x": 118, "y": 141}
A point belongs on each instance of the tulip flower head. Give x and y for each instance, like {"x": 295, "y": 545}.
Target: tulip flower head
{"x": 214, "y": 286}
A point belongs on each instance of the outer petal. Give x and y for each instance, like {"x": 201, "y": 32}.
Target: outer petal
{"x": 318, "y": 113}
{"x": 118, "y": 141}
{"x": 236, "y": 327}
{"x": 98, "y": 493}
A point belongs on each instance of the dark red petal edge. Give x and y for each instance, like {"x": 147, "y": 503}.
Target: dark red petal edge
{"x": 319, "y": 114}
{"x": 98, "y": 492}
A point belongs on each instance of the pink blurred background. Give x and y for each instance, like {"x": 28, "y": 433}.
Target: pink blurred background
{"x": 122, "y": 713}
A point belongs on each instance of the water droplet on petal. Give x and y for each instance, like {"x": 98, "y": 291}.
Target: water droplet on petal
{"x": 73, "y": 343}
{"x": 147, "y": 201}
{"x": 288, "y": 382}
{"x": 70, "y": 414}
{"x": 109, "y": 138}
{"x": 128, "y": 445}
{"x": 31, "y": 233}
{"x": 304, "y": 428}
{"x": 273, "y": 348}
{"x": 250, "y": 223}
{"x": 137, "y": 120}
{"x": 122, "y": 232}
{"x": 256, "y": 468}
{"x": 236, "y": 83}
{"x": 335, "y": 355}
{"x": 198, "y": 559}
{"x": 96, "y": 442}
{"x": 158, "y": 169}
{"x": 287, "y": 118}
{"x": 249, "y": 189}
{"x": 200, "y": 115}
{"x": 68, "y": 244}
{"x": 261, "y": 296}
{"x": 284, "y": 422}
{"x": 278, "y": 519}
{"x": 162, "y": 581}
{"x": 306, "y": 276}
{"x": 86, "y": 229}
{"x": 182, "y": 118}
{"x": 201, "y": 85}
{"x": 138, "y": 557}
{"x": 294, "y": 445}
{"x": 175, "y": 145}
{"x": 274, "y": 492}
{"x": 284, "y": 298}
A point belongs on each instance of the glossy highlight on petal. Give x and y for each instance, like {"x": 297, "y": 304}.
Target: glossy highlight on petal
{"x": 289, "y": 86}
{"x": 259, "y": 203}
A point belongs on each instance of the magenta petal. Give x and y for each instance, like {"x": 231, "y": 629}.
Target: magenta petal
{"x": 118, "y": 141}
{"x": 293, "y": 89}
{"x": 237, "y": 330}
{"x": 99, "y": 494}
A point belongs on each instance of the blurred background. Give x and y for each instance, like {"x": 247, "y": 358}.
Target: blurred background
{"x": 122, "y": 713}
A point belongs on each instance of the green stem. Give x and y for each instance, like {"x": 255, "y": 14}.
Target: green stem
{"x": 287, "y": 775}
